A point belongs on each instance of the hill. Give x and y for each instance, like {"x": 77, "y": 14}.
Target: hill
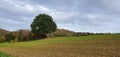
{"x": 63, "y": 32}
{"x": 3, "y": 32}
{"x": 84, "y": 46}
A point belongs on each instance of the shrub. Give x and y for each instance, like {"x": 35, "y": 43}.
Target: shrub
{"x": 2, "y": 39}
{"x": 9, "y": 37}
{"x": 22, "y": 35}
{"x": 4, "y": 55}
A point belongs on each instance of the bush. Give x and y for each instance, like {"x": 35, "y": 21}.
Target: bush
{"x": 4, "y": 55}
{"x": 2, "y": 39}
{"x": 9, "y": 37}
{"x": 24, "y": 35}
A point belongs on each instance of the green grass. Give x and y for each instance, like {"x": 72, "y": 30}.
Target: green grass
{"x": 4, "y": 55}
{"x": 83, "y": 46}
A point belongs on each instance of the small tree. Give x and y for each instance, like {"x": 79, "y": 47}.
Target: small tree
{"x": 9, "y": 37}
{"x": 42, "y": 25}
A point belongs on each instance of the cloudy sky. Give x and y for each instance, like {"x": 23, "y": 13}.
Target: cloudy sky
{"x": 75, "y": 15}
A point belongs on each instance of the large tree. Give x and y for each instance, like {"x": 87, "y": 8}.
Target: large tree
{"x": 42, "y": 25}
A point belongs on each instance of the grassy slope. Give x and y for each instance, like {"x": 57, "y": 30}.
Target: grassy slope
{"x": 85, "y": 46}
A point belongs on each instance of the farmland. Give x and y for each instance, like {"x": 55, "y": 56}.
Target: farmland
{"x": 77, "y": 46}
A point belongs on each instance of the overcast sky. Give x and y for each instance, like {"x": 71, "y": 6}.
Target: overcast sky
{"x": 75, "y": 15}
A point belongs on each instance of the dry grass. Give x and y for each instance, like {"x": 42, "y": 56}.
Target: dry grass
{"x": 86, "y": 46}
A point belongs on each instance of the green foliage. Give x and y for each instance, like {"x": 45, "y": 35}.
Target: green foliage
{"x": 42, "y": 25}
{"x": 2, "y": 39}
{"x": 4, "y": 55}
{"x": 9, "y": 37}
{"x": 88, "y": 33}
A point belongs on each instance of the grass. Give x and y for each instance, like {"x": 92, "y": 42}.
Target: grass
{"x": 83, "y": 46}
{"x": 4, "y": 55}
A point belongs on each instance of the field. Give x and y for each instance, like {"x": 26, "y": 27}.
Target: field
{"x": 83, "y": 46}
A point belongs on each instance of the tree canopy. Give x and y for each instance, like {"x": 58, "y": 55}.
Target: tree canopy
{"x": 42, "y": 25}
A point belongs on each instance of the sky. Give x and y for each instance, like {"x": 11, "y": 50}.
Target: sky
{"x": 75, "y": 15}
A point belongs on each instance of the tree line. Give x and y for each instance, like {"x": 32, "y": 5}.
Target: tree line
{"x": 27, "y": 35}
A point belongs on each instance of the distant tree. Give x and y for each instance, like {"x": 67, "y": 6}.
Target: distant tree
{"x": 43, "y": 25}
{"x": 9, "y": 37}
{"x": 20, "y": 35}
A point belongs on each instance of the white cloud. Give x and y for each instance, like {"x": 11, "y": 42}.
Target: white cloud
{"x": 92, "y": 16}
{"x": 43, "y": 9}
{"x": 15, "y": 6}
{"x": 111, "y": 4}
{"x": 63, "y": 16}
